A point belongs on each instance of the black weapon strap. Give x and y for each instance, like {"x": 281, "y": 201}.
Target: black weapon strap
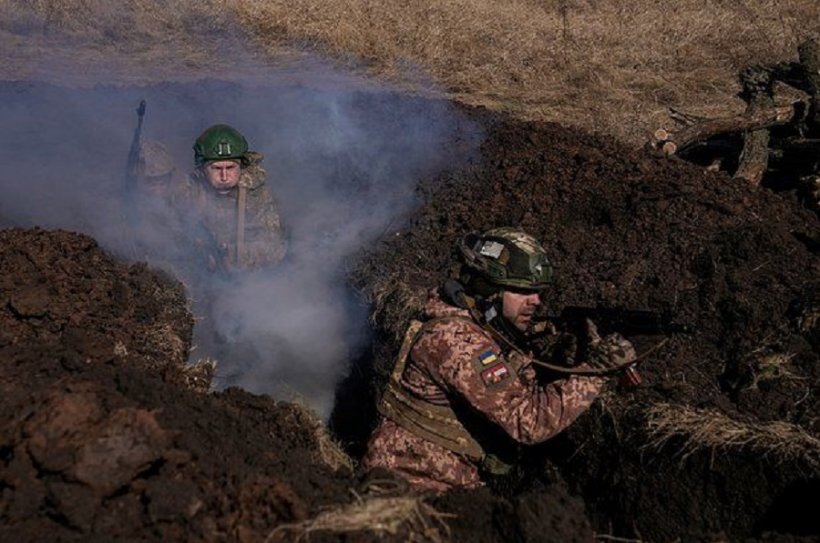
{"x": 478, "y": 317}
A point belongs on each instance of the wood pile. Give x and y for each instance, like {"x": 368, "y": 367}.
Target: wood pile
{"x": 778, "y": 135}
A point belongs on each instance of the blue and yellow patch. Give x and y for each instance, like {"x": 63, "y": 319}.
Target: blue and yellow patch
{"x": 487, "y": 357}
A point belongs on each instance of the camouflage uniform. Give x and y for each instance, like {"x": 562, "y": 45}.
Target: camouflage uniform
{"x": 454, "y": 362}
{"x": 154, "y": 227}
{"x": 213, "y": 218}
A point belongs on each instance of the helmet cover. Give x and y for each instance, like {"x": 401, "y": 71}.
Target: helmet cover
{"x": 507, "y": 257}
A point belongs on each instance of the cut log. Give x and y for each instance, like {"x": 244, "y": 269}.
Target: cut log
{"x": 809, "y": 52}
{"x": 754, "y": 159}
{"x": 810, "y": 145}
{"x": 684, "y": 118}
{"x": 706, "y": 129}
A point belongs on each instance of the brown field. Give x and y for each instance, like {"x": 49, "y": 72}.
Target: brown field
{"x": 610, "y": 66}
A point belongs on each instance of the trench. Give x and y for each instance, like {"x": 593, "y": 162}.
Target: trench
{"x": 343, "y": 158}
{"x": 345, "y": 166}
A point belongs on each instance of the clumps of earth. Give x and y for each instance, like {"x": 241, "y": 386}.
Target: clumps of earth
{"x": 107, "y": 433}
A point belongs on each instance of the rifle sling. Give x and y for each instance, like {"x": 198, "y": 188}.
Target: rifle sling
{"x": 470, "y": 304}
{"x": 240, "y": 225}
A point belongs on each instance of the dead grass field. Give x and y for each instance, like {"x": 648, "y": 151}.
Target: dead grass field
{"x": 610, "y": 66}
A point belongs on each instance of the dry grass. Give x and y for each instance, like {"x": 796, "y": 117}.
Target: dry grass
{"x": 102, "y": 21}
{"x": 394, "y": 304}
{"x": 702, "y": 429}
{"x": 612, "y": 66}
{"x": 328, "y": 452}
{"x": 380, "y": 515}
{"x": 606, "y": 65}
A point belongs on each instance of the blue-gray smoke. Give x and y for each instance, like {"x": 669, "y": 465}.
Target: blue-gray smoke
{"x": 343, "y": 157}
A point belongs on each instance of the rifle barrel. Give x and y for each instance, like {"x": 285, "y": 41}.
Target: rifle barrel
{"x": 626, "y": 321}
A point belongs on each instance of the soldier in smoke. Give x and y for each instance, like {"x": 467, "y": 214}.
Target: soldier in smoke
{"x": 228, "y": 206}
{"x": 156, "y": 229}
{"x": 465, "y": 393}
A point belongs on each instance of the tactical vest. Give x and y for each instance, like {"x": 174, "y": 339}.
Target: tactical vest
{"x": 436, "y": 423}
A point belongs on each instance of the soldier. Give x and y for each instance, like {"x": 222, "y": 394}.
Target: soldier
{"x": 233, "y": 213}
{"x": 465, "y": 393}
{"x": 155, "y": 171}
{"x": 154, "y": 224}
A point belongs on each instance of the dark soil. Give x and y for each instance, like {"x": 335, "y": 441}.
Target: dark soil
{"x": 103, "y": 437}
{"x": 99, "y": 443}
{"x": 624, "y": 228}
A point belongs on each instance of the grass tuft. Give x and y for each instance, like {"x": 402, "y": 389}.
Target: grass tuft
{"x": 705, "y": 429}
{"x": 380, "y": 515}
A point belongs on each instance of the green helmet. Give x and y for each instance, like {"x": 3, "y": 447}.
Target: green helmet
{"x": 506, "y": 257}
{"x": 220, "y": 142}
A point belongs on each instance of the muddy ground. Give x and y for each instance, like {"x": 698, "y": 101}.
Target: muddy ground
{"x": 106, "y": 434}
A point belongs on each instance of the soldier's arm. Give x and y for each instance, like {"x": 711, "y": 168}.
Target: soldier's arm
{"x": 471, "y": 367}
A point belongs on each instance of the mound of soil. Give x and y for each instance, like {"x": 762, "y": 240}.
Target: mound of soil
{"x": 104, "y": 436}
{"x": 624, "y": 228}
{"x": 101, "y": 434}
{"x": 60, "y": 287}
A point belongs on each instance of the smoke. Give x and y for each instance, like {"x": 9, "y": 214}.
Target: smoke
{"x": 343, "y": 157}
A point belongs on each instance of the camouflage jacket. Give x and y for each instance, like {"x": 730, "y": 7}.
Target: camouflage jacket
{"x": 212, "y": 217}
{"x": 456, "y": 362}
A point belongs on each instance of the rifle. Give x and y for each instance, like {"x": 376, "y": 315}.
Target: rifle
{"x": 630, "y": 322}
{"x": 638, "y": 322}
{"x": 133, "y": 168}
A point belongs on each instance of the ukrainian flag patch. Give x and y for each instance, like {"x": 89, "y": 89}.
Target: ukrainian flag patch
{"x": 487, "y": 357}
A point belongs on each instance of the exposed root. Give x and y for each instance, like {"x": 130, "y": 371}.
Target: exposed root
{"x": 768, "y": 363}
{"x": 776, "y": 366}
{"x": 199, "y": 376}
{"x": 395, "y": 302}
{"x": 702, "y": 429}
{"x": 329, "y": 452}
{"x": 381, "y": 515}
{"x": 164, "y": 343}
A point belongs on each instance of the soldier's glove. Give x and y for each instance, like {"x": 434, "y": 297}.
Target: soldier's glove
{"x": 554, "y": 347}
{"x": 611, "y": 351}
{"x": 564, "y": 350}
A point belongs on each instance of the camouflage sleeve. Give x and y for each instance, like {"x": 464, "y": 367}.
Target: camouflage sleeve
{"x": 468, "y": 364}
{"x": 265, "y": 239}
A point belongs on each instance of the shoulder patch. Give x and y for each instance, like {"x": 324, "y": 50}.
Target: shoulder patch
{"x": 495, "y": 374}
{"x": 487, "y": 357}
{"x": 488, "y": 353}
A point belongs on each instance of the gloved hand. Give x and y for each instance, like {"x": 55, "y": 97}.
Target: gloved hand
{"x": 564, "y": 350}
{"x": 611, "y": 351}
{"x": 555, "y": 347}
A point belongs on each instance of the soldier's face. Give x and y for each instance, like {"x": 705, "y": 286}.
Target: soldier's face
{"x": 518, "y": 307}
{"x": 223, "y": 174}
